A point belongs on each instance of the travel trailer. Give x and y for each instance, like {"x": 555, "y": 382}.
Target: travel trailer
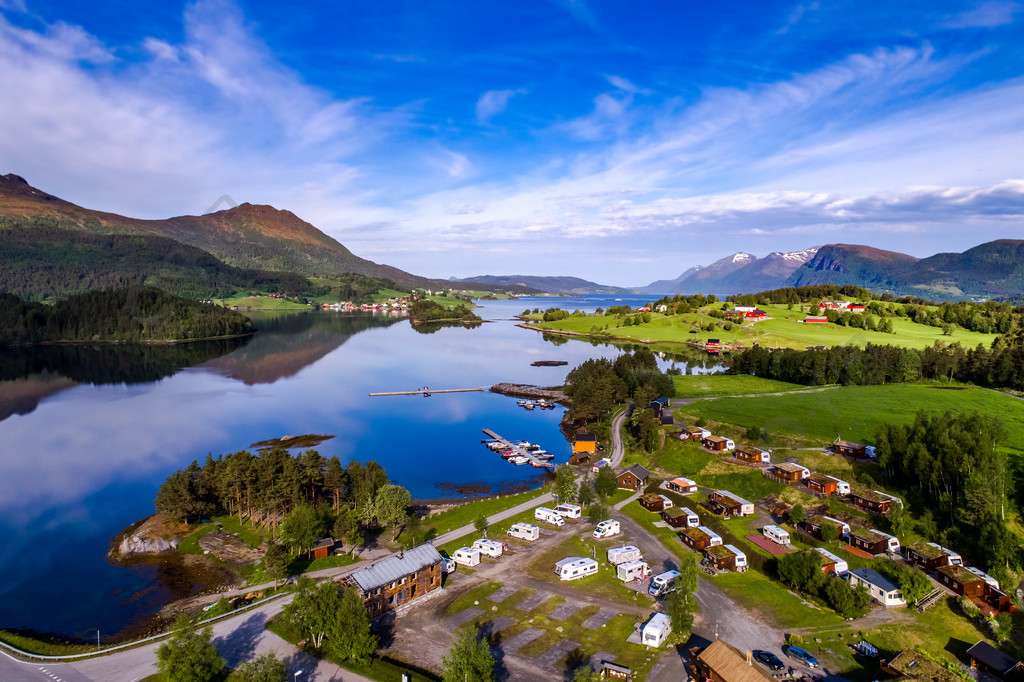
{"x": 569, "y": 511}
{"x": 777, "y": 535}
{"x": 575, "y": 567}
{"x": 491, "y": 548}
{"x": 467, "y": 556}
{"x": 620, "y": 555}
{"x": 657, "y": 630}
{"x": 607, "y": 529}
{"x": 524, "y": 531}
{"x": 632, "y": 570}
{"x": 548, "y": 516}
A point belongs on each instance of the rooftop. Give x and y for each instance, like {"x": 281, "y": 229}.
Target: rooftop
{"x": 915, "y": 666}
{"x": 695, "y": 534}
{"x": 730, "y": 664}
{"x": 822, "y": 479}
{"x": 926, "y": 550}
{"x": 676, "y": 512}
{"x": 871, "y": 495}
{"x": 638, "y": 471}
{"x": 720, "y": 551}
{"x": 992, "y": 657}
{"x": 961, "y": 574}
{"x": 876, "y": 579}
{"x": 396, "y": 568}
{"x": 868, "y": 535}
{"x": 789, "y": 467}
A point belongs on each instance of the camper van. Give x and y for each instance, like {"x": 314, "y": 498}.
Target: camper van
{"x": 777, "y": 535}
{"x": 491, "y": 548}
{"x": 569, "y": 511}
{"x": 657, "y": 630}
{"x": 714, "y": 538}
{"x": 607, "y": 529}
{"x": 632, "y": 570}
{"x": 467, "y": 556}
{"x": 575, "y": 567}
{"x": 524, "y": 531}
{"x": 620, "y": 555}
{"x": 893, "y": 545}
{"x": 603, "y": 462}
{"x": 741, "y": 558}
{"x": 663, "y": 583}
{"x": 842, "y": 487}
{"x": 665, "y": 502}
{"x": 548, "y": 516}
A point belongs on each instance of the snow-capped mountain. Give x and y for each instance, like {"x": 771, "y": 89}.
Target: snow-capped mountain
{"x": 738, "y": 273}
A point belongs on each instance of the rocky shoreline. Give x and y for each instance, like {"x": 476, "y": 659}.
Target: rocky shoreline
{"x": 527, "y": 391}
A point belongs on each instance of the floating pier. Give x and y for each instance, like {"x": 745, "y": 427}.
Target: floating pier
{"x": 534, "y": 460}
{"x": 428, "y": 391}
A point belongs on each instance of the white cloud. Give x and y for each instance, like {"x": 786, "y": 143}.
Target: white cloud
{"x": 494, "y": 102}
{"x": 987, "y": 15}
{"x": 13, "y": 5}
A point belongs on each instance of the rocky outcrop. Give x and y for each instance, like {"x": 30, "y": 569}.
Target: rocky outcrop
{"x": 523, "y": 391}
{"x": 154, "y": 535}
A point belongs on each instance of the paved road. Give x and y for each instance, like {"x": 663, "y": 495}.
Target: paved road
{"x": 618, "y": 449}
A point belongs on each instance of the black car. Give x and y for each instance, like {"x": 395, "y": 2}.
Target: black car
{"x": 769, "y": 660}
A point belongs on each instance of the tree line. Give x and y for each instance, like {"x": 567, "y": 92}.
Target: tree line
{"x": 426, "y": 310}
{"x": 596, "y": 386}
{"x": 131, "y": 314}
{"x": 1000, "y": 366}
{"x": 951, "y": 465}
{"x": 301, "y": 497}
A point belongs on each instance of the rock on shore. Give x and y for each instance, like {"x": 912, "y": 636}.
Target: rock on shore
{"x": 524, "y": 391}
{"x": 154, "y": 535}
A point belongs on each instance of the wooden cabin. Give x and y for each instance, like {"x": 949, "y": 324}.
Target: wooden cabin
{"x": 871, "y": 501}
{"x": 753, "y": 455}
{"x": 584, "y": 443}
{"x": 730, "y": 505}
{"x": 722, "y": 558}
{"x": 687, "y": 432}
{"x": 652, "y": 502}
{"x": 397, "y": 580}
{"x": 680, "y": 517}
{"x": 830, "y": 563}
{"x": 991, "y": 660}
{"x": 871, "y": 541}
{"x": 930, "y": 555}
{"x": 822, "y": 484}
{"x": 848, "y": 449}
{"x": 788, "y": 472}
{"x": 683, "y": 486}
{"x": 718, "y": 443}
{"x": 721, "y": 662}
{"x": 699, "y": 538}
{"x": 634, "y": 478}
{"x": 960, "y": 580}
{"x": 814, "y": 524}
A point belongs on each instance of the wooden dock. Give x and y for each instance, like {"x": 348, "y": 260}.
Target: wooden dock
{"x": 428, "y": 391}
{"x": 535, "y": 461}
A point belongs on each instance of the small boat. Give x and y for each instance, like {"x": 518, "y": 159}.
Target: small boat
{"x": 542, "y": 454}
{"x": 519, "y": 459}
{"x": 521, "y": 403}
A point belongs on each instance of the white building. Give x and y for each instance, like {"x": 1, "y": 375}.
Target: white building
{"x": 881, "y": 589}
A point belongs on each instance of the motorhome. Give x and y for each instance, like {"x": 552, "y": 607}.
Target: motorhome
{"x": 622, "y": 554}
{"x": 663, "y": 583}
{"x": 632, "y": 570}
{"x": 524, "y": 531}
{"x": 842, "y": 487}
{"x": 607, "y": 529}
{"x": 548, "y": 516}
{"x": 777, "y": 535}
{"x": 466, "y": 556}
{"x": 575, "y": 567}
{"x": 952, "y": 558}
{"x": 692, "y": 520}
{"x": 569, "y": 511}
{"x": 657, "y": 630}
{"x": 491, "y": 548}
{"x": 666, "y": 503}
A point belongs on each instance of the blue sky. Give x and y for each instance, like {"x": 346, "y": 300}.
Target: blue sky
{"x": 620, "y": 142}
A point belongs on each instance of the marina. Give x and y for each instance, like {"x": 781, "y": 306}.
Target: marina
{"x": 541, "y": 403}
{"x": 520, "y": 453}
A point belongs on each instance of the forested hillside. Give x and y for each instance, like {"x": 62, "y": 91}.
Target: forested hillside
{"x": 131, "y": 314}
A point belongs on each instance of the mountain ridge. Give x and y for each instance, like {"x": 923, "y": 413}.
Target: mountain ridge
{"x": 740, "y": 272}
{"x": 549, "y": 284}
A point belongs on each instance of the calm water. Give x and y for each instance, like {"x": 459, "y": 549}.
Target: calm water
{"x": 89, "y": 434}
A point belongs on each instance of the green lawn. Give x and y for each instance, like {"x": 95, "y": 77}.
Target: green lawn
{"x": 604, "y": 583}
{"x": 469, "y": 512}
{"x": 855, "y": 412}
{"x": 262, "y": 303}
{"x": 708, "y": 385}
{"x": 773, "y": 602}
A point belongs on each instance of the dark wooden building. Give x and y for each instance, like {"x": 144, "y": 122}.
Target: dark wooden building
{"x": 752, "y": 455}
{"x": 991, "y": 660}
{"x": 676, "y": 517}
{"x": 926, "y": 554}
{"x": 395, "y": 581}
{"x": 699, "y": 538}
{"x": 634, "y": 478}
{"x": 814, "y": 524}
{"x": 848, "y": 449}
{"x": 870, "y": 541}
{"x": 961, "y": 581}
{"x": 788, "y": 472}
{"x": 323, "y": 548}
{"x": 721, "y": 662}
{"x": 652, "y": 502}
{"x": 871, "y": 501}
{"x": 717, "y": 443}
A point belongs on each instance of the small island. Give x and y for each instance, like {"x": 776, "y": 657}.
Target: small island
{"x": 425, "y": 311}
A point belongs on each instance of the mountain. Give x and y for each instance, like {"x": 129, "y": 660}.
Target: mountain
{"x": 991, "y": 270}
{"x": 551, "y": 285}
{"x": 739, "y": 273}
{"x": 249, "y": 237}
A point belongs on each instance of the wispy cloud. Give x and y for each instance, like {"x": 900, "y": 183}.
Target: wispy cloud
{"x": 494, "y": 102}
{"x": 796, "y": 16}
{"x": 987, "y": 15}
{"x": 13, "y": 5}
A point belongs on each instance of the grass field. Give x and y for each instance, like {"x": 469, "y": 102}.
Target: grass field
{"x": 784, "y": 328}
{"x": 855, "y": 412}
{"x": 262, "y": 303}
{"x": 707, "y": 385}
{"x": 469, "y": 512}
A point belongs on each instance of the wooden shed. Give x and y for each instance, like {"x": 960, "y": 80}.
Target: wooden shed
{"x": 652, "y": 502}
{"x": 789, "y": 472}
{"x": 848, "y": 449}
{"x": 680, "y": 517}
{"x": 814, "y": 524}
{"x": 323, "y": 548}
{"x": 634, "y": 478}
{"x": 926, "y": 554}
{"x": 961, "y": 581}
{"x": 729, "y": 504}
{"x": 752, "y": 455}
{"x": 717, "y": 443}
{"x": 721, "y": 662}
{"x": 991, "y": 660}
{"x": 871, "y": 541}
{"x": 820, "y": 483}
{"x": 699, "y": 538}
{"x": 871, "y": 501}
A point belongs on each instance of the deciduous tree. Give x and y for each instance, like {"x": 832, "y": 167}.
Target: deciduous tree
{"x": 469, "y": 659}
{"x": 266, "y": 668}
{"x": 189, "y": 655}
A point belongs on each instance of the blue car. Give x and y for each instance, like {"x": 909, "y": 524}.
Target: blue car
{"x": 802, "y": 656}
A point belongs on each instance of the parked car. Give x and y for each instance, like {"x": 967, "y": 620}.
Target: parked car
{"x": 769, "y": 660}
{"x": 802, "y": 656}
